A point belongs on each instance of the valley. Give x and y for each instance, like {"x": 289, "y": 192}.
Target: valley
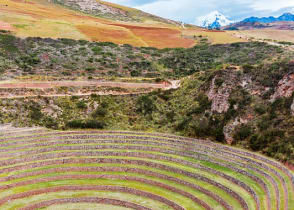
{"x": 104, "y": 106}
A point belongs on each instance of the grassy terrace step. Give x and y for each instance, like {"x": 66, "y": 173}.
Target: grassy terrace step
{"x": 164, "y": 158}
{"x": 77, "y": 186}
{"x": 109, "y": 201}
{"x": 109, "y": 147}
{"x": 142, "y": 201}
{"x": 183, "y": 172}
{"x": 121, "y": 161}
{"x": 207, "y": 196}
{"x": 87, "y": 141}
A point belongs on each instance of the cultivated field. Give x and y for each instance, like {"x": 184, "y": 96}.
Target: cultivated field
{"x": 213, "y": 37}
{"x": 132, "y": 170}
{"x": 278, "y": 35}
{"x": 38, "y": 18}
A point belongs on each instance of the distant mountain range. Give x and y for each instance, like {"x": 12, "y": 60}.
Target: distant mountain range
{"x": 283, "y": 22}
{"x": 216, "y": 20}
{"x": 213, "y": 20}
{"x": 271, "y": 19}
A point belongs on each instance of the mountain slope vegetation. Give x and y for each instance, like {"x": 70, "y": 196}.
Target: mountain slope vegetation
{"x": 65, "y": 57}
{"x": 232, "y": 93}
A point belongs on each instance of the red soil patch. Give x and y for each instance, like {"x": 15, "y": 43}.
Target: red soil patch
{"x": 101, "y": 34}
{"x": 5, "y": 26}
{"x": 160, "y": 37}
{"x": 290, "y": 166}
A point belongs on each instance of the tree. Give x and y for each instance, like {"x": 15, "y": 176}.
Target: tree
{"x": 145, "y": 105}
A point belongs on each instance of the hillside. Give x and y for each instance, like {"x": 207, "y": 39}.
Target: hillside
{"x": 40, "y": 18}
{"x": 226, "y": 87}
{"x": 94, "y": 21}
{"x": 107, "y": 107}
{"x": 72, "y": 58}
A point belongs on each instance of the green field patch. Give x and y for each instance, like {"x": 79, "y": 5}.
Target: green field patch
{"x": 14, "y": 204}
{"x": 177, "y": 198}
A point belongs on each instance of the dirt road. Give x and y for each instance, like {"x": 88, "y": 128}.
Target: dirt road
{"x": 10, "y": 88}
{"x": 44, "y": 85}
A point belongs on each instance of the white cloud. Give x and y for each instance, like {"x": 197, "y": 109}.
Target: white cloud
{"x": 168, "y": 8}
{"x": 272, "y": 5}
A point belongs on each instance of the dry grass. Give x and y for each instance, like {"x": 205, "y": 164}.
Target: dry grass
{"x": 279, "y": 35}
{"x": 214, "y": 37}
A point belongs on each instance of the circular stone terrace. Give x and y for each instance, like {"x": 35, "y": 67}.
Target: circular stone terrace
{"x": 44, "y": 169}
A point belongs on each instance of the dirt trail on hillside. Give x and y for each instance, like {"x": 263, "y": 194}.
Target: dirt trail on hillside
{"x": 9, "y": 87}
{"x": 45, "y": 85}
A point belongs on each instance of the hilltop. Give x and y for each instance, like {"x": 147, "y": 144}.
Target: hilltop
{"x": 90, "y": 20}
{"x": 98, "y": 21}
{"x": 213, "y": 20}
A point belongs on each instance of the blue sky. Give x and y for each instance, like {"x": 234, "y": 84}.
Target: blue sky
{"x": 188, "y": 10}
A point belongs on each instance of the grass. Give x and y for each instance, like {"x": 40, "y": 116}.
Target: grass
{"x": 186, "y": 203}
{"x": 275, "y": 35}
{"x": 200, "y": 183}
{"x": 214, "y": 37}
{"x": 207, "y": 199}
{"x": 131, "y": 198}
{"x": 186, "y": 168}
{"x": 84, "y": 206}
{"x": 181, "y": 200}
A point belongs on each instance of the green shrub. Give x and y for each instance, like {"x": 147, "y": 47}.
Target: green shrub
{"x": 145, "y": 105}
{"x": 81, "y": 105}
{"x": 99, "y": 112}
{"x": 219, "y": 82}
{"x": 97, "y": 50}
{"x": 264, "y": 124}
{"x": 35, "y": 112}
{"x": 244, "y": 132}
{"x": 89, "y": 123}
{"x": 247, "y": 68}
{"x": 260, "y": 109}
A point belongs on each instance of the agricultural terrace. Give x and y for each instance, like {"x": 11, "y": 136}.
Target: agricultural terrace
{"x": 47, "y": 169}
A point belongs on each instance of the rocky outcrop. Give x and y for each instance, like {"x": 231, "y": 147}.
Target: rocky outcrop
{"x": 229, "y": 129}
{"x": 92, "y": 7}
{"x": 285, "y": 87}
{"x": 219, "y": 97}
{"x": 220, "y": 90}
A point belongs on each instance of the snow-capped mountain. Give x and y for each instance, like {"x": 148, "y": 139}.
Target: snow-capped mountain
{"x": 271, "y": 19}
{"x": 213, "y": 20}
